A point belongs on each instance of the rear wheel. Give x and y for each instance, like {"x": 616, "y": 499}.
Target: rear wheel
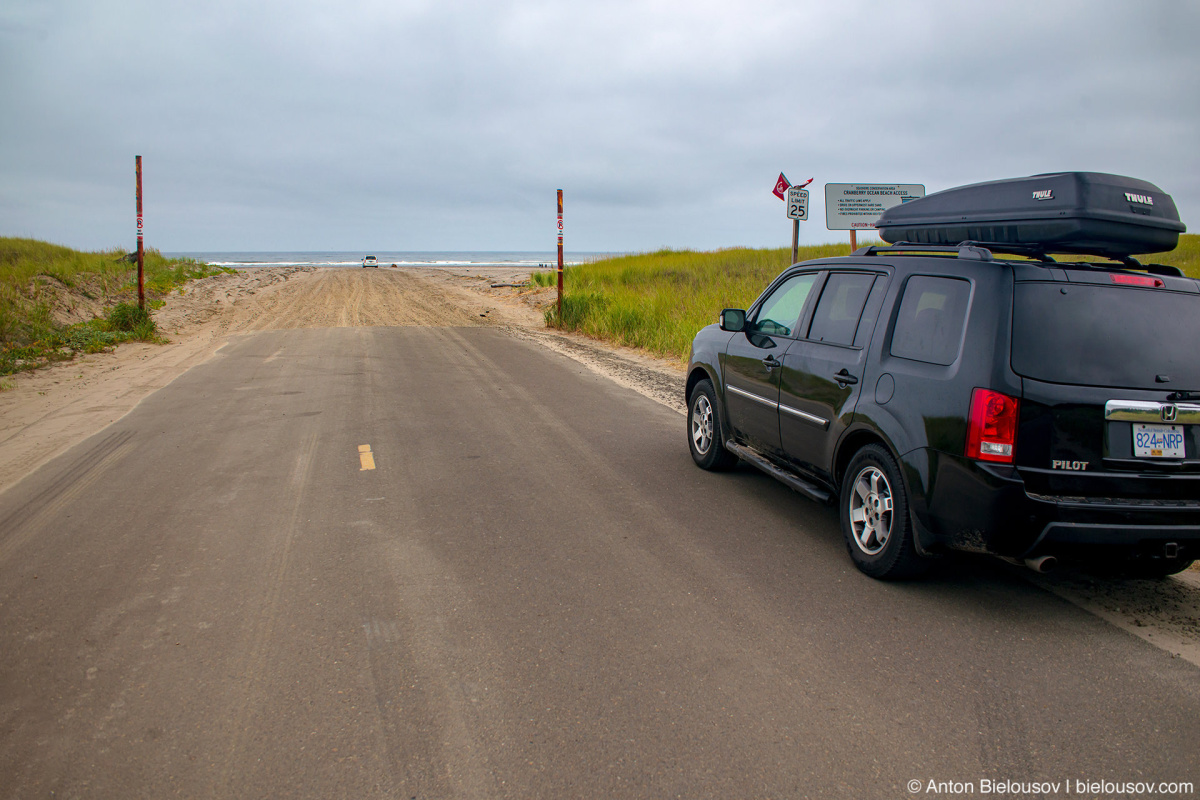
{"x": 874, "y": 512}
{"x": 706, "y": 430}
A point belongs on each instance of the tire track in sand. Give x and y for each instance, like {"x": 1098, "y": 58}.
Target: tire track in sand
{"x": 344, "y": 298}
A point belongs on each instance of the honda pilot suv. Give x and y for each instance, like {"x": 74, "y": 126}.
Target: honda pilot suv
{"x": 962, "y": 389}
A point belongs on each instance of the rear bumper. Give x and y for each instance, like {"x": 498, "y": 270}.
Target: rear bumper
{"x": 965, "y": 505}
{"x": 1058, "y": 538}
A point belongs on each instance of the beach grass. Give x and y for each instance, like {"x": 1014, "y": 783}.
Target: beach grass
{"x": 34, "y": 275}
{"x": 658, "y": 301}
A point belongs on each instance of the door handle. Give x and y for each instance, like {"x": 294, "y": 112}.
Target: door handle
{"x": 844, "y": 378}
{"x": 770, "y": 362}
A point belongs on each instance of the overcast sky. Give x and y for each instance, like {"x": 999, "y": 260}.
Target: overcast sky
{"x": 442, "y": 125}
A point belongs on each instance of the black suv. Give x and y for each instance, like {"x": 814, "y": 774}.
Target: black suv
{"x": 963, "y": 390}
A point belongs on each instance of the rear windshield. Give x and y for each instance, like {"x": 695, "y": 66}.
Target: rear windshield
{"x": 1099, "y": 335}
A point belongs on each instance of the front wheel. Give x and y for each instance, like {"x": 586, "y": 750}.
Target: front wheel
{"x": 875, "y": 523}
{"x": 706, "y": 431}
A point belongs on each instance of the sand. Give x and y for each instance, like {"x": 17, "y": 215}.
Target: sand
{"x": 55, "y": 407}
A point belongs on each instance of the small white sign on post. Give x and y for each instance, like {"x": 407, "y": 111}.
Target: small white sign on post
{"x": 797, "y": 203}
{"x": 857, "y": 206}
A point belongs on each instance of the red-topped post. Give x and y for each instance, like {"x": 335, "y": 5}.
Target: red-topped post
{"x": 141, "y": 278}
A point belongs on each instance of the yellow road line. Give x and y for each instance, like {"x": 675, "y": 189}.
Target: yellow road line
{"x": 366, "y": 457}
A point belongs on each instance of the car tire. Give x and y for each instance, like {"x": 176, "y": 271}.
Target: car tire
{"x": 706, "y": 429}
{"x": 873, "y": 505}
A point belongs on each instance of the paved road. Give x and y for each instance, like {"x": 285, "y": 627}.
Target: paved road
{"x": 534, "y": 593}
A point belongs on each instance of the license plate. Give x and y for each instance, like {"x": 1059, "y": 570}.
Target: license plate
{"x": 1157, "y": 441}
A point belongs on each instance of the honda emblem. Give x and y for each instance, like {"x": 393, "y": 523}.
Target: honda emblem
{"x": 1168, "y": 413}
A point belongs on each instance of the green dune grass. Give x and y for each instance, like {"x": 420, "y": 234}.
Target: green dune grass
{"x": 657, "y": 301}
{"x": 32, "y": 273}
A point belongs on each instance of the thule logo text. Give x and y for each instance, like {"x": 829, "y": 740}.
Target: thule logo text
{"x": 1043, "y": 194}
{"x": 1144, "y": 199}
{"x": 1072, "y": 466}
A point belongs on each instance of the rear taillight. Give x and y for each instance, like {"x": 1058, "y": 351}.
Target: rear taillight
{"x": 992, "y": 426}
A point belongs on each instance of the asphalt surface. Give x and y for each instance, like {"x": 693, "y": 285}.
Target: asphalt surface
{"x": 533, "y": 593}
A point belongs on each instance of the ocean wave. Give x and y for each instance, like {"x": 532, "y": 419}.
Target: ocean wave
{"x": 446, "y": 259}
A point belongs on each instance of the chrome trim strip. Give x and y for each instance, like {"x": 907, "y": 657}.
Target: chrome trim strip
{"x": 804, "y": 415}
{"x": 750, "y": 396}
{"x": 1150, "y": 412}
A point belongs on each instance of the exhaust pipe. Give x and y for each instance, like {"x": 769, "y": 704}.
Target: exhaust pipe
{"x": 1042, "y": 564}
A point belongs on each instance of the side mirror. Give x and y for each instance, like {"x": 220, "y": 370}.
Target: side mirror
{"x": 733, "y": 320}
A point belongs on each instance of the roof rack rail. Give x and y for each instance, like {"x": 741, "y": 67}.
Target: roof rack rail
{"x": 983, "y": 251}
{"x": 1162, "y": 269}
{"x": 1040, "y": 253}
{"x": 964, "y": 250}
{"x": 1027, "y": 250}
{"x": 1129, "y": 262}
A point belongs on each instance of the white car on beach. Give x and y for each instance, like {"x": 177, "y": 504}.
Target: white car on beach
{"x": 370, "y": 261}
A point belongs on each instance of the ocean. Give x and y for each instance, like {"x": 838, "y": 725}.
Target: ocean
{"x": 523, "y": 260}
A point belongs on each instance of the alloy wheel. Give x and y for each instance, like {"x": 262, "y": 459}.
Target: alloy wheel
{"x": 702, "y": 424}
{"x": 871, "y": 511}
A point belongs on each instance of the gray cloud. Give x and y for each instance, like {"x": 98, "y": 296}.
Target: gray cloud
{"x": 449, "y": 125}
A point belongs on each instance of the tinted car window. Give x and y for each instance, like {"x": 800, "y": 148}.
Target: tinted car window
{"x": 780, "y": 312}
{"x": 836, "y": 317}
{"x": 929, "y": 325}
{"x": 1099, "y": 335}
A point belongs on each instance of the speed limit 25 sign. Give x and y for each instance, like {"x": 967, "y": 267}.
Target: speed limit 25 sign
{"x": 797, "y": 203}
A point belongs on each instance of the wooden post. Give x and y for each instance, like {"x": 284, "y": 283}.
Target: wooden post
{"x": 795, "y": 240}
{"x": 141, "y": 278}
{"x": 853, "y": 240}
{"x": 560, "y": 259}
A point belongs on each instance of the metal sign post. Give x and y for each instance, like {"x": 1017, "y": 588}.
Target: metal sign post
{"x": 797, "y": 210}
{"x": 141, "y": 278}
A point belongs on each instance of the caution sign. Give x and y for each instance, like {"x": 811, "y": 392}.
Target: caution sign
{"x": 857, "y": 206}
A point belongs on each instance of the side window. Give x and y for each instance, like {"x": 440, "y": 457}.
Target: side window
{"x": 932, "y": 316}
{"x": 836, "y": 317}
{"x": 780, "y": 312}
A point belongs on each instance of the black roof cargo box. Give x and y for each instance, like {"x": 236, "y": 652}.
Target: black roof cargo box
{"x": 1062, "y": 212}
